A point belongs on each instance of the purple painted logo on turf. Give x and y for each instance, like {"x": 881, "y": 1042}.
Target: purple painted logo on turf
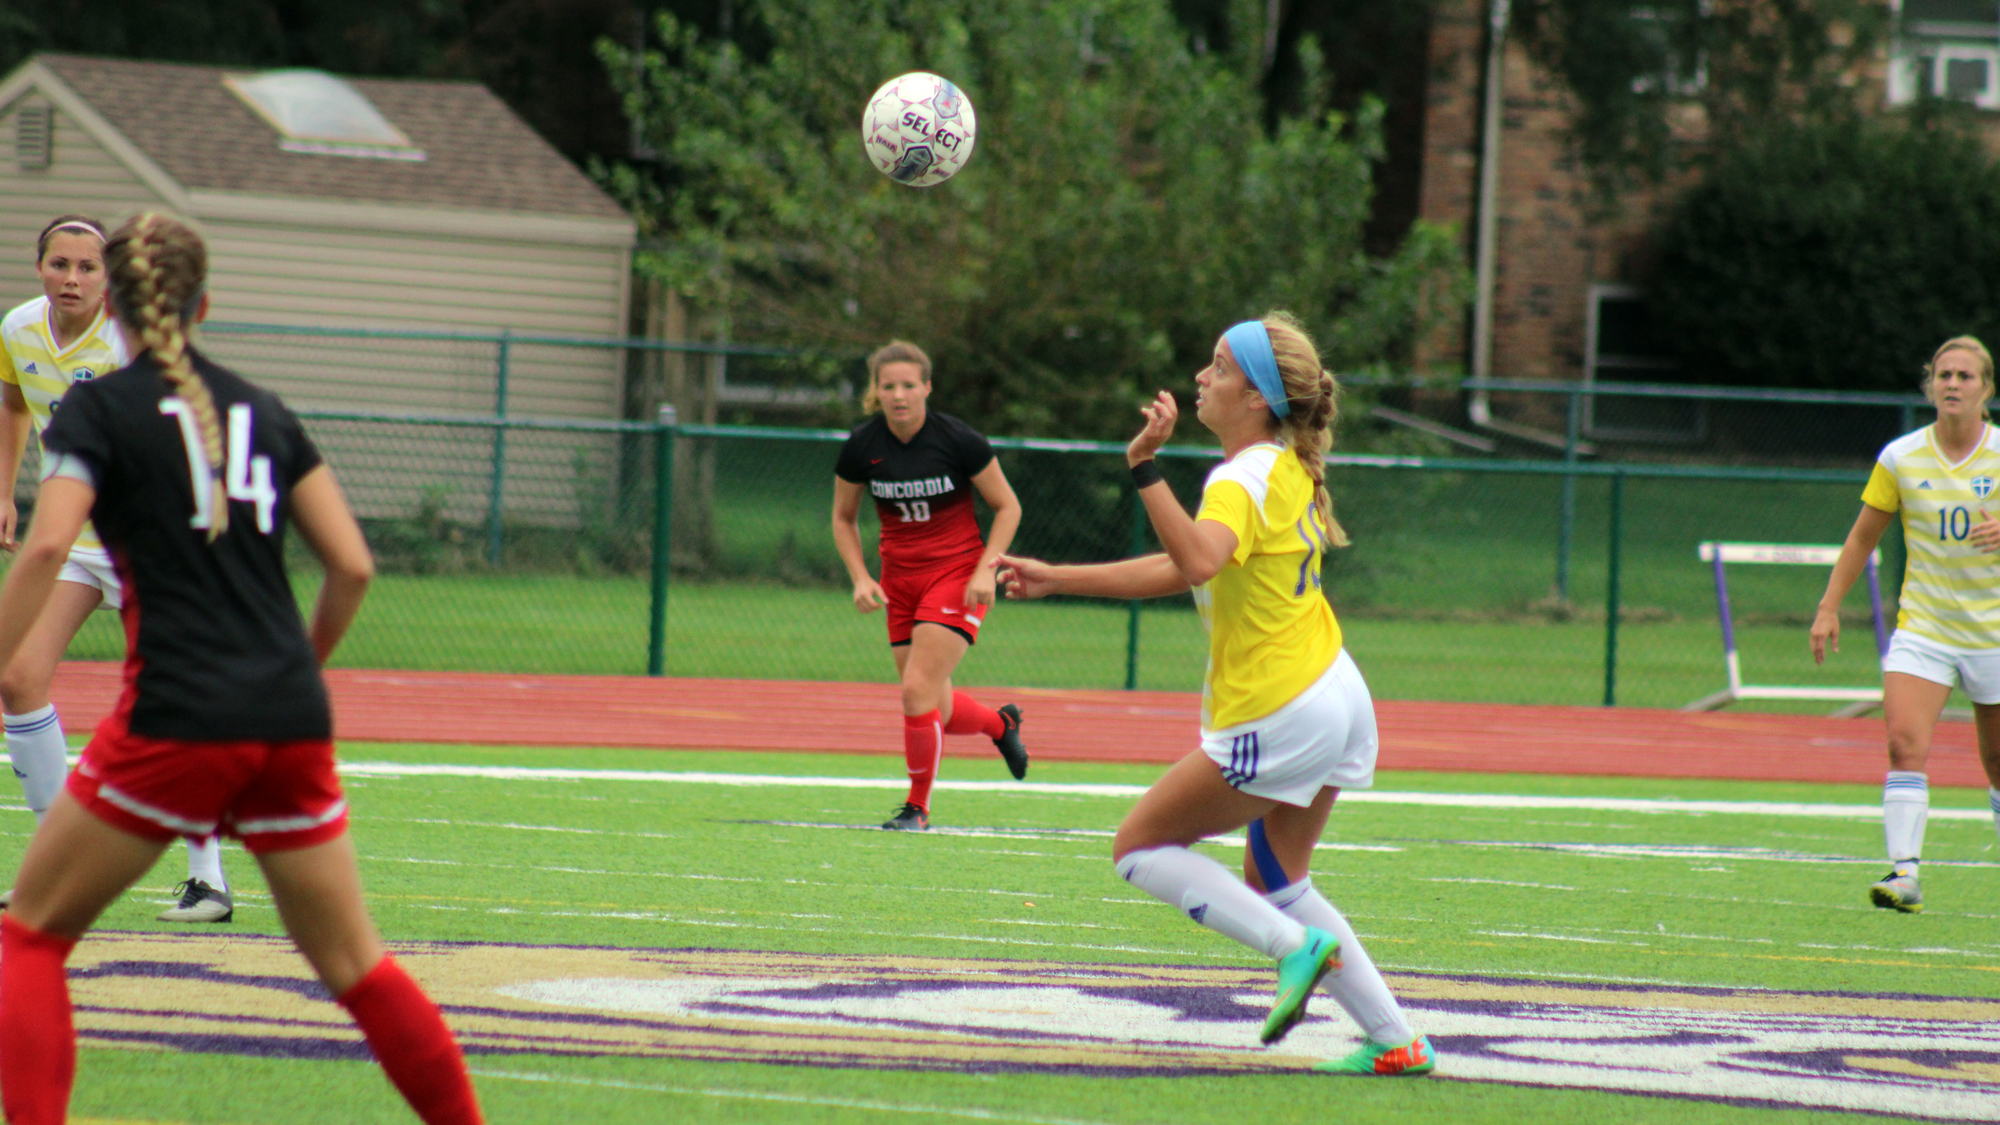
{"x": 1923, "y": 1056}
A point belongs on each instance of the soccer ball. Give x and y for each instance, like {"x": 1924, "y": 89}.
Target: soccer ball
{"x": 918, "y": 129}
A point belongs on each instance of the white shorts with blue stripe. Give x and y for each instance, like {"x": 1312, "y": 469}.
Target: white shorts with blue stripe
{"x": 1324, "y": 736}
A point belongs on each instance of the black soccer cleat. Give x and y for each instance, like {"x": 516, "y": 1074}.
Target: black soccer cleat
{"x": 200, "y": 903}
{"x": 1009, "y": 742}
{"x": 909, "y": 818}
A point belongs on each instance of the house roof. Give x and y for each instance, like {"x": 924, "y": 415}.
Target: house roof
{"x": 478, "y": 154}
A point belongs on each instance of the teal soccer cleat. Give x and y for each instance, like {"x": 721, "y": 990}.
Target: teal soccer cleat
{"x": 1298, "y": 974}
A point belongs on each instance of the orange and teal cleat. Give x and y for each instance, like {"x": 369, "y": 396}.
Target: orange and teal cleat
{"x": 1414, "y": 1057}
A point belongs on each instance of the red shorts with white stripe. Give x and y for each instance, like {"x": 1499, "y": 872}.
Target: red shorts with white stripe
{"x": 935, "y": 596}
{"x": 274, "y": 796}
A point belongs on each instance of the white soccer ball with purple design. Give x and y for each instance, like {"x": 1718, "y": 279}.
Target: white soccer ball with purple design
{"x": 918, "y": 129}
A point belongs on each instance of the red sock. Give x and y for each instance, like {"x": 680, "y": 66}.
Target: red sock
{"x": 37, "y": 1039}
{"x": 923, "y": 745}
{"x": 969, "y": 716}
{"x": 410, "y": 1040}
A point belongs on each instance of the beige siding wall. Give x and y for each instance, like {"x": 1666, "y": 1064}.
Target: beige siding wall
{"x": 270, "y": 274}
{"x": 325, "y": 277}
{"x": 82, "y": 177}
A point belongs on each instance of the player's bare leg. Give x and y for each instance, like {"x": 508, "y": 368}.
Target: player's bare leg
{"x": 35, "y": 740}
{"x": 924, "y": 667}
{"x": 1910, "y": 708}
{"x": 1152, "y": 852}
{"x": 40, "y": 752}
{"x": 317, "y": 891}
{"x": 958, "y": 712}
{"x": 1986, "y": 721}
{"x": 76, "y": 865}
{"x": 1278, "y": 861}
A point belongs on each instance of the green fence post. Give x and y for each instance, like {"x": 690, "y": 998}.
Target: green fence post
{"x": 495, "y": 543}
{"x": 1616, "y": 549}
{"x": 1566, "y": 531}
{"x": 1139, "y": 524}
{"x": 663, "y": 540}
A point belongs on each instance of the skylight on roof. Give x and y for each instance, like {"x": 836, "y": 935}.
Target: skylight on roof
{"x": 314, "y": 112}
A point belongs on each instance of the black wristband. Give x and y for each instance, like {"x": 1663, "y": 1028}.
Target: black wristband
{"x": 1146, "y": 473}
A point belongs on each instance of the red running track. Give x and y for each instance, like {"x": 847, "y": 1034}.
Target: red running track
{"x": 1123, "y": 726}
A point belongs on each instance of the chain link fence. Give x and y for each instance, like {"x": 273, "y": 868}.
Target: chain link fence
{"x": 523, "y": 540}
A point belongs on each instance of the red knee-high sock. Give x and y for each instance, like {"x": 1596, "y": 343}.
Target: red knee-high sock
{"x": 37, "y": 1040}
{"x": 923, "y": 745}
{"x": 410, "y": 1040}
{"x": 969, "y": 716}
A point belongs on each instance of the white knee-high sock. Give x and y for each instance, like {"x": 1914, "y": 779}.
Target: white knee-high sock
{"x": 40, "y": 755}
{"x": 205, "y": 862}
{"x": 1356, "y": 986}
{"x": 1207, "y": 892}
{"x": 1993, "y": 799}
{"x": 1906, "y": 804}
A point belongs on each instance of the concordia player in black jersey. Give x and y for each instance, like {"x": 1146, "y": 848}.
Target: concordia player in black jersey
{"x": 190, "y": 474}
{"x": 921, "y": 468}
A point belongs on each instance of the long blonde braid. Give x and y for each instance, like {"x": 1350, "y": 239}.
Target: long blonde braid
{"x": 1315, "y": 403}
{"x": 158, "y": 267}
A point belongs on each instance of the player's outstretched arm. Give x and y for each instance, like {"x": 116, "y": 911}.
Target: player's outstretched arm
{"x": 868, "y": 595}
{"x": 1148, "y": 576}
{"x": 60, "y": 513}
{"x": 1861, "y": 540}
{"x": 321, "y": 514}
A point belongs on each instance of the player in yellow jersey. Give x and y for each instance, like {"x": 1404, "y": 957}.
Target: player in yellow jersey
{"x": 64, "y": 337}
{"x": 1941, "y": 478}
{"x": 1287, "y": 721}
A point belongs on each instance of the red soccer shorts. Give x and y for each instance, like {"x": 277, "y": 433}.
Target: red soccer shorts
{"x": 936, "y": 596}
{"x": 274, "y": 796}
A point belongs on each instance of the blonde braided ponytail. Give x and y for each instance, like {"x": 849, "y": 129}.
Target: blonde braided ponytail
{"x": 1315, "y": 403}
{"x": 158, "y": 267}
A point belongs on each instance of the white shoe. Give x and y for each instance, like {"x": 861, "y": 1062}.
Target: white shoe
{"x": 200, "y": 903}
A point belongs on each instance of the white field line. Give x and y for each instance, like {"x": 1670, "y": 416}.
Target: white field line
{"x": 1353, "y": 797}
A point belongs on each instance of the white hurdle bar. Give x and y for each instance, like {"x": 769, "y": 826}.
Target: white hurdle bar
{"x": 1859, "y": 699}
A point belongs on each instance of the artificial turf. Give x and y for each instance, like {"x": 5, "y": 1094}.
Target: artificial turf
{"x": 676, "y": 865}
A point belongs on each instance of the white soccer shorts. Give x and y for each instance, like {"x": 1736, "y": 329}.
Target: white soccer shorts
{"x": 1324, "y": 736}
{"x": 1976, "y": 670}
{"x": 91, "y": 566}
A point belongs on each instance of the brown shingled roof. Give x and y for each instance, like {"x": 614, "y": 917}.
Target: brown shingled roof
{"x": 479, "y": 154}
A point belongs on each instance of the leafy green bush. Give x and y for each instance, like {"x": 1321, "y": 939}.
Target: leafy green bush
{"x": 1125, "y": 203}
{"x": 1833, "y": 256}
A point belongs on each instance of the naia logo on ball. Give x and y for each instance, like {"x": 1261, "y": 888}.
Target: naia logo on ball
{"x": 918, "y": 129}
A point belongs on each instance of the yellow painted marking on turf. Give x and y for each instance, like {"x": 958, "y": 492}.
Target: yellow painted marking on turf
{"x": 1961, "y": 1072}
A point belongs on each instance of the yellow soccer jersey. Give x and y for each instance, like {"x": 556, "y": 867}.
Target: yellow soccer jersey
{"x": 1951, "y": 589}
{"x": 1271, "y": 632}
{"x": 30, "y": 359}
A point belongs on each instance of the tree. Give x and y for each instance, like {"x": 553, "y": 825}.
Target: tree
{"x": 1125, "y": 202}
{"x": 1656, "y": 81}
{"x": 1833, "y": 255}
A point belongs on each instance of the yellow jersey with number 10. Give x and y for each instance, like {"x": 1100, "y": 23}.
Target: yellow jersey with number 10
{"x": 30, "y": 360}
{"x": 1271, "y": 632}
{"x": 1951, "y": 589}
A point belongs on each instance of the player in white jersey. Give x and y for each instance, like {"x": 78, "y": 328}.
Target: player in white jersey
{"x": 1941, "y": 478}
{"x": 1287, "y": 722}
{"x": 64, "y": 337}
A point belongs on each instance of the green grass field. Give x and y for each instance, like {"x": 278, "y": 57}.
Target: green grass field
{"x": 773, "y": 880}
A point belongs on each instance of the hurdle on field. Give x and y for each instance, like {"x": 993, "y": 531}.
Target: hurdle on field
{"x": 1858, "y": 700}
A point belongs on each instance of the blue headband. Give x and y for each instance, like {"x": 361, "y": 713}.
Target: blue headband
{"x": 1251, "y": 343}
